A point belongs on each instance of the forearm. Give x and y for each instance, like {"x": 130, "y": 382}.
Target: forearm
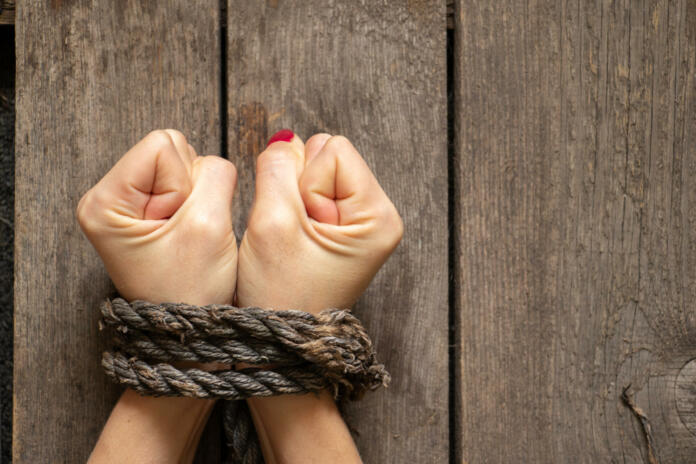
{"x": 152, "y": 430}
{"x": 299, "y": 428}
{"x": 147, "y": 429}
{"x": 302, "y": 429}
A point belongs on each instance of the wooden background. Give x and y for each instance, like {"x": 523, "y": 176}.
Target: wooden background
{"x": 549, "y": 260}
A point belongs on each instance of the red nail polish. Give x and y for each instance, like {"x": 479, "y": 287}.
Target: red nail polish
{"x": 283, "y": 135}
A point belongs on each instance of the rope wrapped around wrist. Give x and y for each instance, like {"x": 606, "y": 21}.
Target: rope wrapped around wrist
{"x": 289, "y": 351}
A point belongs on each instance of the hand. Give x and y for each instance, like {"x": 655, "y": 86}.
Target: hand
{"x": 320, "y": 227}
{"x": 319, "y": 230}
{"x": 161, "y": 222}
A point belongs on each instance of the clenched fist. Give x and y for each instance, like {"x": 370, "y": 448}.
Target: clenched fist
{"x": 161, "y": 222}
{"x": 320, "y": 227}
{"x": 319, "y": 230}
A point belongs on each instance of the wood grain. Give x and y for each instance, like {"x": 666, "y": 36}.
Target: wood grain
{"x": 376, "y": 73}
{"x": 575, "y": 229}
{"x": 93, "y": 78}
{"x": 7, "y": 11}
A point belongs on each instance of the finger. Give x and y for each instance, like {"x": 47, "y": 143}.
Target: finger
{"x": 182, "y": 147}
{"x": 215, "y": 180}
{"x": 337, "y": 186}
{"x": 278, "y": 169}
{"x": 288, "y": 139}
{"x": 151, "y": 181}
{"x": 314, "y": 145}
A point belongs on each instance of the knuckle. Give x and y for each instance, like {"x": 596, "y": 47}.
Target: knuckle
{"x": 338, "y": 142}
{"x": 86, "y": 212}
{"x": 207, "y": 225}
{"x": 221, "y": 165}
{"x": 160, "y": 138}
{"x": 192, "y": 150}
{"x": 80, "y": 211}
{"x": 177, "y": 137}
{"x": 269, "y": 224}
{"x": 398, "y": 230}
{"x": 392, "y": 227}
{"x": 320, "y": 137}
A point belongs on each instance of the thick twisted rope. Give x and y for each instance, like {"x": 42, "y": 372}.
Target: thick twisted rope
{"x": 330, "y": 350}
{"x": 242, "y": 441}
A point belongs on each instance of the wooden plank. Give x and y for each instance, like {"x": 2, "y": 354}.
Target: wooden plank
{"x": 92, "y": 80}
{"x": 575, "y": 229}
{"x": 376, "y": 73}
{"x": 7, "y": 11}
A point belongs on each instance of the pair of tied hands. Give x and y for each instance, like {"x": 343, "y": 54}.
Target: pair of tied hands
{"x": 319, "y": 229}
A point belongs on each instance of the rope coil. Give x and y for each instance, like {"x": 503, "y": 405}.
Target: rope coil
{"x": 308, "y": 353}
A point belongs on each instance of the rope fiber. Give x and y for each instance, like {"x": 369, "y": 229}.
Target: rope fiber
{"x": 288, "y": 352}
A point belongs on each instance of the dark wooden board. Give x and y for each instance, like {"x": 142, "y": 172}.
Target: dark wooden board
{"x": 376, "y": 73}
{"x": 575, "y": 229}
{"x": 7, "y": 12}
{"x": 92, "y": 80}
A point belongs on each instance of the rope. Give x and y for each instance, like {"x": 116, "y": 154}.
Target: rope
{"x": 242, "y": 442}
{"x": 328, "y": 351}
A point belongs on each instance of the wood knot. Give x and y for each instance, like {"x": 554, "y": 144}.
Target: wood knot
{"x": 685, "y": 393}
{"x": 252, "y": 129}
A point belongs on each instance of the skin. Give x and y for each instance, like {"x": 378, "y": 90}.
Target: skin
{"x": 319, "y": 230}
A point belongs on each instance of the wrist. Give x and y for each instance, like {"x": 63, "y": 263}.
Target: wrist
{"x": 303, "y": 428}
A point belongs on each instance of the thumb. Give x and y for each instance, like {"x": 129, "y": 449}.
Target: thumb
{"x": 151, "y": 181}
{"x": 337, "y": 186}
{"x": 278, "y": 169}
{"x": 215, "y": 180}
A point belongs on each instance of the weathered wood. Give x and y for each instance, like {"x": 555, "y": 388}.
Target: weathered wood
{"x": 7, "y": 12}
{"x": 376, "y": 73}
{"x": 575, "y": 229}
{"x": 92, "y": 80}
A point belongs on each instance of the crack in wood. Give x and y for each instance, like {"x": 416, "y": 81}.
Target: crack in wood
{"x": 627, "y": 398}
